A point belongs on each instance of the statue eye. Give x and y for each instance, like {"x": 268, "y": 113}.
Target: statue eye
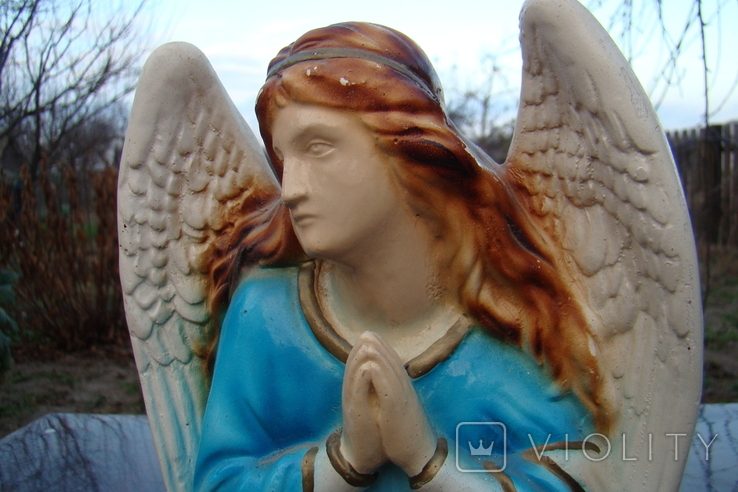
{"x": 318, "y": 149}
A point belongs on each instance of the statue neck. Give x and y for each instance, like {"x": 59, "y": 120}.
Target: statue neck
{"x": 394, "y": 288}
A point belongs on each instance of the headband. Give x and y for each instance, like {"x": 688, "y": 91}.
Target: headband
{"x": 329, "y": 53}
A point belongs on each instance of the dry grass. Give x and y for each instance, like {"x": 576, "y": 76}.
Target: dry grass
{"x": 60, "y": 236}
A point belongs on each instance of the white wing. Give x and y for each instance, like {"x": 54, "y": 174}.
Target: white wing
{"x": 190, "y": 165}
{"x": 591, "y": 163}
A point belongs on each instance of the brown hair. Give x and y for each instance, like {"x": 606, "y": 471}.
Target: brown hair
{"x": 504, "y": 268}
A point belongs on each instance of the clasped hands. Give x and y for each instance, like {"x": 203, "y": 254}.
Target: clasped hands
{"x": 383, "y": 419}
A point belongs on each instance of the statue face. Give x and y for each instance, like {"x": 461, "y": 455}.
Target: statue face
{"x": 336, "y": 182}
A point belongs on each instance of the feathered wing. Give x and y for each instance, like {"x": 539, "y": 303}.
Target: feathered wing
{"x": 590, "y": 162}
{"x": 190, "y": 165}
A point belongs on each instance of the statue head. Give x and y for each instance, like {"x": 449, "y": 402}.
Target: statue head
{"x": 384, "y": 79}
{"x": 381, "y": 76}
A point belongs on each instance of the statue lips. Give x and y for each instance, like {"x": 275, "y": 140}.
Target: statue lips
{"x": 295, "y": 205}
{"x": 302, "y": 219}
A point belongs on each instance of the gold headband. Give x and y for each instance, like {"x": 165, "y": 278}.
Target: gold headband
{"x": 329, "y": 53}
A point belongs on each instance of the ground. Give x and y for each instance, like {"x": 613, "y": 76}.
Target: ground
{"x": 105, "y": 380}
{"x": 93, "y": 381}
{"x": 721, "y": 326}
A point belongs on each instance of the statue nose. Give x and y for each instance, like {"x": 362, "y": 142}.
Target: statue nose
{"x": 294, "y": 183}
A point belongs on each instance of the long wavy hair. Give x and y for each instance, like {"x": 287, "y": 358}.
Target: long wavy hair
{"x": 503, "y": 268}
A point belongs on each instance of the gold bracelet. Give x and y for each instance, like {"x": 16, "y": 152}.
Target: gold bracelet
{"x": 431, "y": 468}
{"x": 343, "y": 467}
{"x": 307, "y": 468}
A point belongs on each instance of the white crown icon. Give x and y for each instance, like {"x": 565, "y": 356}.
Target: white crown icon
{"x": 481, "y": 450}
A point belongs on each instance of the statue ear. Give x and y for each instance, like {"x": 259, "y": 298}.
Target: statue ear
{"x": 433, "y": 154}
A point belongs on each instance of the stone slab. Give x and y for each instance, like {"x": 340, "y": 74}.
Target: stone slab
{"x": 115, "y": 453}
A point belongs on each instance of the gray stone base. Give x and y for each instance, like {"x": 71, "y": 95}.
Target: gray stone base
{"x": 719, "y": 473}
{"x": 115, "y": 453}
{"x": 67, "y": 452}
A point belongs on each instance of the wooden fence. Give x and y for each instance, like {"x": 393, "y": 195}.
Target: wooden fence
{"x": 707, "y": 160}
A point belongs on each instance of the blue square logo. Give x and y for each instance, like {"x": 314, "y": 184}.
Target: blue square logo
{"x": 481, "y": 447}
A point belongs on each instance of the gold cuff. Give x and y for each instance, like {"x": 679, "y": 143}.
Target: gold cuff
{"x": 343, "y": 467}
{"x": 308, "y": 470}
{"x": 431, "y": 468}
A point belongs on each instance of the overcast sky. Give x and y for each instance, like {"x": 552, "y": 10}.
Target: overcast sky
{"x": 241, "y": 37}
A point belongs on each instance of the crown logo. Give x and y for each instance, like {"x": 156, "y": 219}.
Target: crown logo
{"x": 481, "y": 450}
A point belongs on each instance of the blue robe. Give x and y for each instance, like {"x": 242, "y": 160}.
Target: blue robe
{"x": 276, "y": 393}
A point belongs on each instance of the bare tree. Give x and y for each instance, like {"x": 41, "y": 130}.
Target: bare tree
{"x": 480, "y": 110}
{"x": 680, "y": 30}
{"x": 64, "y": 67}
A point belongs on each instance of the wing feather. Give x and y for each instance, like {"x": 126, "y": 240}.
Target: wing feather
{"x": 189, "y": 164}
{"x": 591, "y": 164}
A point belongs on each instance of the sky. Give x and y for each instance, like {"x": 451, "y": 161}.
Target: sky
{"x": 240, "y": 38}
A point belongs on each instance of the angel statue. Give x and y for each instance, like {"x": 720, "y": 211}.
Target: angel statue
{"x": 372, "y": 303}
